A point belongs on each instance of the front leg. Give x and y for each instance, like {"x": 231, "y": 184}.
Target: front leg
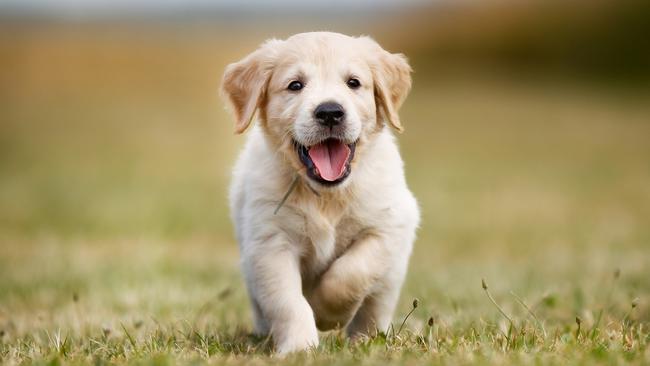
{"x": 273, "y": 276}
{"x": 377, "y": 309}
{"x": 351, "y": 277}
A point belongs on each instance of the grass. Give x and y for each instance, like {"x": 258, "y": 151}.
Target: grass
{"x": 116, "y": 246}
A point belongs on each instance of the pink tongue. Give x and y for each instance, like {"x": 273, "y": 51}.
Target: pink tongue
{"x": 330, "y": 157}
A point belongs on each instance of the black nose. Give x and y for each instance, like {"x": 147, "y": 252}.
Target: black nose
{"x": 329, "y": 114}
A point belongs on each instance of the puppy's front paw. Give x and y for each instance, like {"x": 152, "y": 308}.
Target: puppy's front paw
{"x": 296, "y": 331}
{"x": 334, "y": 302}
{"x": 298, "y": 337}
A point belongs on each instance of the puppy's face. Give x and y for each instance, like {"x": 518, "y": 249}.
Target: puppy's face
{"x": 321, "y": 98}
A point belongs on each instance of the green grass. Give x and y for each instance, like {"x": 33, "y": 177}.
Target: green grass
{"x": 116, "y": 246}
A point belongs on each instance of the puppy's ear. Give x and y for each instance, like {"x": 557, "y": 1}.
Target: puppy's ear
{"x": 392, "y": 75}
{"x": 244, "y": 82}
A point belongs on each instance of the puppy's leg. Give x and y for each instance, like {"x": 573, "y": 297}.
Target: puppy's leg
{"x": 274, "y": 274}
{"x": 348, "y": 281}
{"x": 262, "y": 327}
{"x": 377, "y": 310}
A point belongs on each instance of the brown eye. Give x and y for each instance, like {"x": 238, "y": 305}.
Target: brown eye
{"x": 295, "y": 85}
{"x": 353, "y": 83}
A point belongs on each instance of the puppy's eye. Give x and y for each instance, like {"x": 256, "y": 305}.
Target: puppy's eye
{"x": 295, "y": 85}
{"x": 353, "y": 83}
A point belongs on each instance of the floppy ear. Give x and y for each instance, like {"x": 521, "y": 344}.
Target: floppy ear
{"x": 392, "y": 75}
{"x": 244, "y": 83}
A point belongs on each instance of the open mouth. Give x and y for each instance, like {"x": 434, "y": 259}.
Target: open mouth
{"x": 327, "y": 162}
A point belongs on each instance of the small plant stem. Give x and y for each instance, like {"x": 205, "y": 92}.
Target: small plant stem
{"x": 131, "y": 340}
{"x": 626, "y": 318}
{"x": 530, "y": 311}
{"x": 487, "y": 292}
{"x": 293, "y": 185}
{"x": 617, "y": 274}
{"x": 415, "y": 305}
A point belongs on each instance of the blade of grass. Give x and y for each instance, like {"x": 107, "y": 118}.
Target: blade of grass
{"x": 530, "y": 311}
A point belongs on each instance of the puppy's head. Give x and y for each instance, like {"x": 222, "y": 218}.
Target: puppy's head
{"x": 321, "y": 97}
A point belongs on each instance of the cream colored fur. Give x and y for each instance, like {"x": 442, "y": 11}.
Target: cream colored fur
{"x": 331, "y": 256}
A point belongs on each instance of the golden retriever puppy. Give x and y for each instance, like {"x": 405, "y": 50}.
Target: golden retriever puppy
{"x": 323, "y": 215}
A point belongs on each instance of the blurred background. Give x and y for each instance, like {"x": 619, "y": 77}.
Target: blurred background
{"x": 527, "y": 144}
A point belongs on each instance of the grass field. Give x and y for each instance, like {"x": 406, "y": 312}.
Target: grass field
{"x": 116, "y": 246}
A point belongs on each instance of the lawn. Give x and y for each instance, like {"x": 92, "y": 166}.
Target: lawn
{"x": 116, "y": 245}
